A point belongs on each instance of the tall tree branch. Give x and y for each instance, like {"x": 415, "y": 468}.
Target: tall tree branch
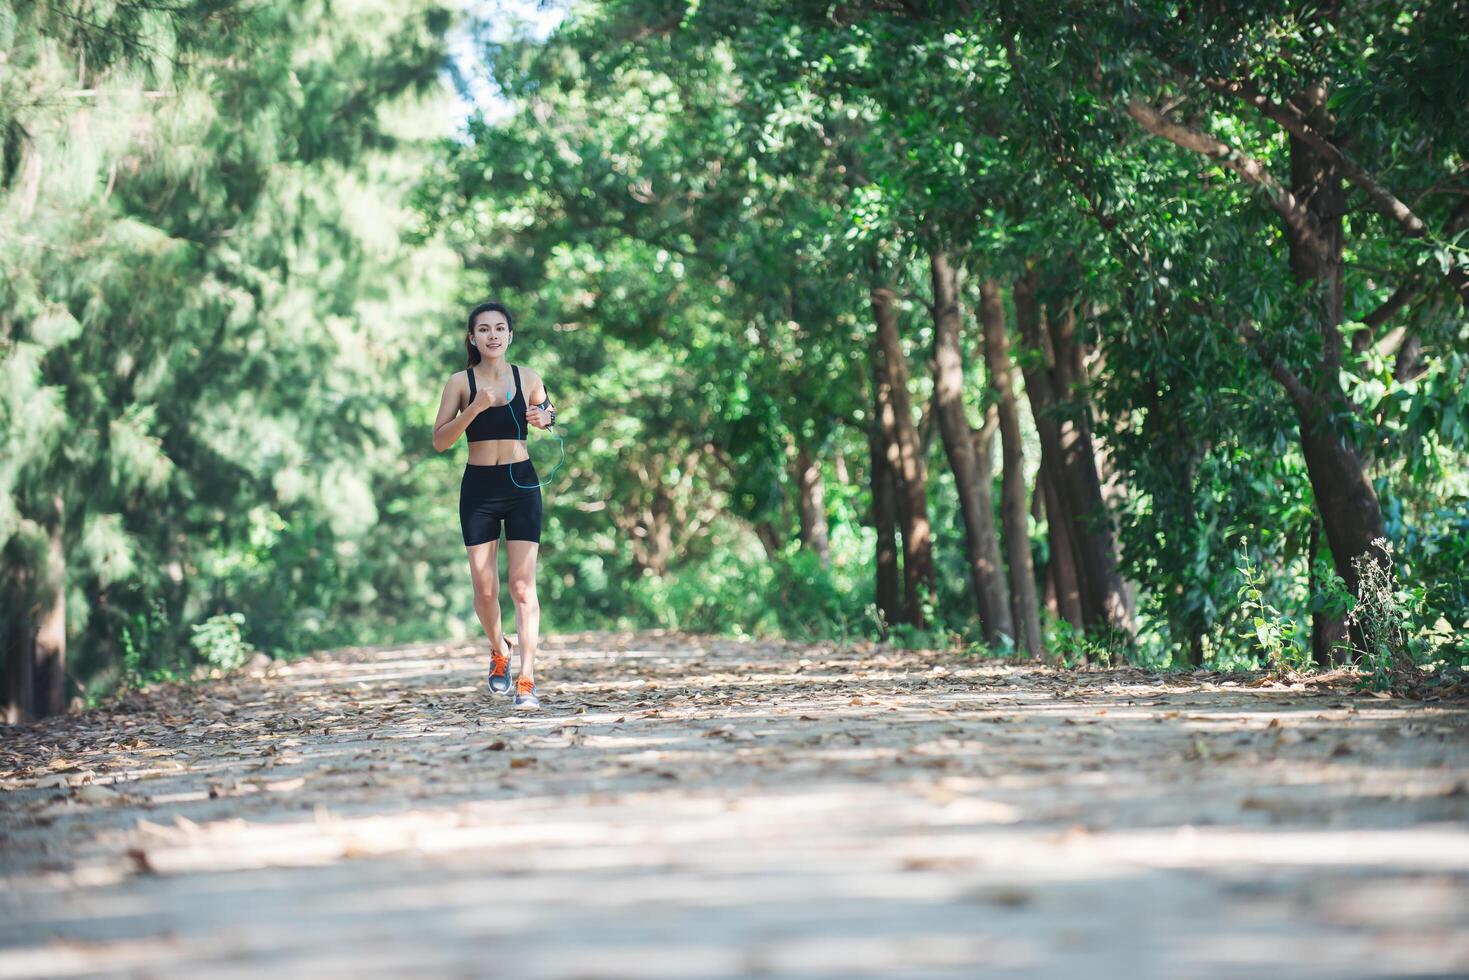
{"x": 1290, "y": 207}
{"x": 1299, "y": 394}
{"x": 1290, "y": 118}
{"x": 1410, "y": 290}
{"x": 1293, "y": 121}
{"x": 1401, "y": 297}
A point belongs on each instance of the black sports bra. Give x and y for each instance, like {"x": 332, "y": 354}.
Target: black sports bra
{"x": 496, "y": 422}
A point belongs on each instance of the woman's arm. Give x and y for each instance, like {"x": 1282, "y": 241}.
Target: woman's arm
{"x": 450, "y": 423}
{"x": 535, "y": 395}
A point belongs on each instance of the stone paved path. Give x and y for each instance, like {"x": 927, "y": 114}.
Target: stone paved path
{"x": 694, "y": 807}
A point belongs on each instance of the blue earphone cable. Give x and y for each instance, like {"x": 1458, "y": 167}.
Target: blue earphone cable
{"x": 509, "y": 398}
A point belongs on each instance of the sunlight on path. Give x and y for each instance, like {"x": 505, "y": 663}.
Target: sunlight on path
{"x": 685, "y": 806}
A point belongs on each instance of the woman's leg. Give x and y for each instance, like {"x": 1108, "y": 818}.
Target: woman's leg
{"x": 484, "y": 571}
{"x": 522, "y": 561}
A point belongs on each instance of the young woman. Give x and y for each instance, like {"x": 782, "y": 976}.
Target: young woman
{"x": 494, "y": 402}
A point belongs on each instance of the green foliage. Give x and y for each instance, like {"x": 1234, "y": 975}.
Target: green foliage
{"x": 148, "y": 631}
{"x": 211, "y": 334}
{"x": 221, "y": 642}
{"x": 1273, "y": 636}
{"x": 793, "y": 597}
{"x": 1075, "y": 648}
{"x": 235, "y": 241}
{"x": 999, "y": 131}
{"x": 1384, "y": 617}
{"x": 906, "y": 636}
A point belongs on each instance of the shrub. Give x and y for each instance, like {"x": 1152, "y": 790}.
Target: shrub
{"x": 220, "y": 641}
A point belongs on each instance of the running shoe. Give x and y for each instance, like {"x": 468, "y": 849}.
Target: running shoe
{"x": 525, "y": 694}
{"x": 500, "y": 668}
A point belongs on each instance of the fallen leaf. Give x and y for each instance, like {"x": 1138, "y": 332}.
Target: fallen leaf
{"x": 284, "y": 785}
{"x": 139, "y": 857}
{"x": 97, "y": 795}
{"x": 1009, "y": 896}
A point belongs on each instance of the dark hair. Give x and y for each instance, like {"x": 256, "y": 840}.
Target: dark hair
{"x": 473, "y": 351}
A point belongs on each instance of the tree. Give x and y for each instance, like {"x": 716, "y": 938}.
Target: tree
{"x": 190, "y": 387}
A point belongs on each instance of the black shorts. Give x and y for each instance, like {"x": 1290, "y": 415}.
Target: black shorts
{"x": 489, "y": 495}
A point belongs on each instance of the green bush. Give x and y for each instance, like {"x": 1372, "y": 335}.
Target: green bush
{"x": 1269, "y": 633}
{"x": 221, "y": 642}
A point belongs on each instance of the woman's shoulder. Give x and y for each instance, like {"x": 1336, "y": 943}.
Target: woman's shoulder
{"x": 529, "y": 374}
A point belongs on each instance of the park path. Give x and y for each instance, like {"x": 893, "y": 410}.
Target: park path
{"x": 693, "y": 807}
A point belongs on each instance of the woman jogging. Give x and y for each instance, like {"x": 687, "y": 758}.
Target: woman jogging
{"x": 500, "y": 486}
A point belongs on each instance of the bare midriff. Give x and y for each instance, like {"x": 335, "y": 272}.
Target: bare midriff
{"x": 497, "y": 452}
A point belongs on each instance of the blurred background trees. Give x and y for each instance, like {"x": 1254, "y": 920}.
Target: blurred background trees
{"x": 212, "y": 332}
{"x": 1065, "y": 328}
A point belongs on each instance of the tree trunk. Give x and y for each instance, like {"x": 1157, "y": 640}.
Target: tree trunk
{"x": 1350, "y": 513}
{"x": 35, "y": 635}
{"x": 909, "y": 469}
{"x": 885, "y": 520}
{"x": 50, "y": 648}
{"x": 983, "y": 439}
{"x": 1407, "y": 365}
{"x": 1073, "y": 490}
{"x": 770, "y": 540}
{"x": 1063, "y": 555}
{"x": 1113, "y": 489}
{"x": 1038, "y": 515}
{"x": 1013, "y": 503}
{"x": 1100, "y": 554}
{"x": 20, "y": 657}
{"x": 981, "y": 543}
{"x": 1062, "y": 578}
{"x": 1328, "y": 631}
{"x": 811, "y": 503}
{"x": 885, "y": 421}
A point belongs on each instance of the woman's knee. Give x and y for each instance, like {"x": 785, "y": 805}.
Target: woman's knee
{"x": 487, "y": 589}
{"x": 523, "y": 590}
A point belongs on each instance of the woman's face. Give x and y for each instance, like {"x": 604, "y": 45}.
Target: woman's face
{"x": 492, "y": 334}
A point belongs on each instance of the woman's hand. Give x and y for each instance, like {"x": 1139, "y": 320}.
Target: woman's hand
{"x": 539, "y": 417}
{"x": 481, "y": 401}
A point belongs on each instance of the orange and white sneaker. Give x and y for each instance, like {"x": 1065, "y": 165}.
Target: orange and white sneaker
{"x": 500, "y": 668}
{"x": 525, "y": 693}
